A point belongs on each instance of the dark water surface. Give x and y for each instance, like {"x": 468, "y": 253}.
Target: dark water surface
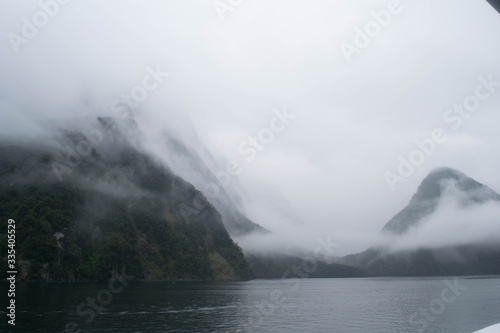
{"x": 378, "y": 305}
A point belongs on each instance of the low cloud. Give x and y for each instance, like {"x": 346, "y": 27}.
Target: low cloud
{"x": 455, "y": 222}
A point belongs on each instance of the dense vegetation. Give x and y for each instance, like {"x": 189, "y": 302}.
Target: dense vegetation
{"x": 117, "y": 208}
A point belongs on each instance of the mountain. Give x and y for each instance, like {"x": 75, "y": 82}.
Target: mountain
{"x": 186, "y": 162}
{"x": 474, "y": 259}
{"x": 429, "y": 194}
{"x": 275, "y": 266}
{"x": 88, "y": 199}
{"x": 465, "y": 259}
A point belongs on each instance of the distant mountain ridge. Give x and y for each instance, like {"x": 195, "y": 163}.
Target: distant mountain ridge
{"x": 470, "y": 259}
{"x": 427, "y": 198}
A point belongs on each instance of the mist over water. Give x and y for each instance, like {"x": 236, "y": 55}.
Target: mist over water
{"x": 220, "y": 80}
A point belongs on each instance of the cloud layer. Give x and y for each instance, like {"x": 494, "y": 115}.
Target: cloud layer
{"x": 353, "y": 120}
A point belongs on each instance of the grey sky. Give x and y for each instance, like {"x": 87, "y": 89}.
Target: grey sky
{"x": 353, "y": 120}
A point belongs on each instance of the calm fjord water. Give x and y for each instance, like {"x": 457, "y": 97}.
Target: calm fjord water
{"x": 375, "y": 305}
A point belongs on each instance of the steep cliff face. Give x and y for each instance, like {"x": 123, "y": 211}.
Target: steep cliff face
{"x": 105, "y": 206}
{"x": 187, "y": 163}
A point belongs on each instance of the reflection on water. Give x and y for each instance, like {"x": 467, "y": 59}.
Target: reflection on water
{"x": 316, "y": 305}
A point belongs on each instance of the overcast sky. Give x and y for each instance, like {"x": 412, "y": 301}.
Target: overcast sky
{"x": 354, "y": 115}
